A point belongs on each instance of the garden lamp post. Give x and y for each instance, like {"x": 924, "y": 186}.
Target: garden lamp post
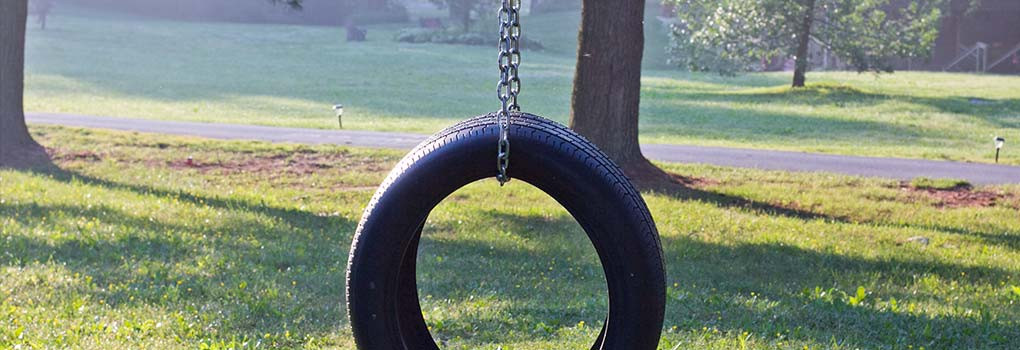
{"x": 999, "y": 141}
{"x": 339, "y": 109}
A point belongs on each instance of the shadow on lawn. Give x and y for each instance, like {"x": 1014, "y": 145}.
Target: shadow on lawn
{"x": 1007, "y": 239}
{"x": 290, "y": 215}
{"x": 679, "y": 189}
{"x": 993, "y": 111}
{"x": 716, "y": 279}
{"x": 744, "y": 81}
{"x": 747, "y": 124}
{"x": 513, "y": 293}
{"x": 235, "y": 272}
{"x": 783, "y": 279}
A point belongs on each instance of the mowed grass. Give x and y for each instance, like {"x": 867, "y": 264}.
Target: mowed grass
{"x": 126, "y": 245}
{"x": 116, "y": 65}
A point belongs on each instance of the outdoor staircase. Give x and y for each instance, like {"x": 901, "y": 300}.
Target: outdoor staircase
{"x": 979, "y": 52}
{"x": 1005, "y": 57}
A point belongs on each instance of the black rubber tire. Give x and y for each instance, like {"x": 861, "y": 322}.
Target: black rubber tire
{"x": 382, "y": 295}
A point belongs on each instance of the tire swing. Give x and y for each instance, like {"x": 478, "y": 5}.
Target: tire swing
{"x": 382, "y": 293}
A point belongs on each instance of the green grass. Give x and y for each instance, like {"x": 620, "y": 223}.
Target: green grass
{"x": 127, "y": 246}
{"x": 939, "y": 184}
{"x": 103, "y": 64}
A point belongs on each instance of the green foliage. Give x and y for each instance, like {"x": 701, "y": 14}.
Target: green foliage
{"x": 461, "y": 10}
{"x": 730, "y": 36}
{"x": 454, "y": 36}
{"x": 440, "y": 36}
{"x": 858, "y": 297}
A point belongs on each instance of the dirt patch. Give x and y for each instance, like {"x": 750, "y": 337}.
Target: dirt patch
{"x": 67, "y": 155}
{"x": 648, "y": 177}
{"x": 960, "y": 196}
{"x": 691, "y": 181}
{"x": 294, "y": 163}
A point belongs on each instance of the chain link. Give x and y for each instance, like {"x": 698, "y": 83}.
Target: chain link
{"x": 509, "y": 83}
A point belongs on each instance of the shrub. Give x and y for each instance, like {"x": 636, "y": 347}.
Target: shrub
{"x": 447, "y": 36}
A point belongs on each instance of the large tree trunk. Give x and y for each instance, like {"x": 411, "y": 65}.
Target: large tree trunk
{"x": 607, "y": 81}
{"x": 460, "y": 12}
{"x": 17, "y": 148}
{"x": 804, "y": 40}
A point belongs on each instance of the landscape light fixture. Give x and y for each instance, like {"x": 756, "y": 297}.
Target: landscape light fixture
{"x": 339, "y": 109}
{"x": 999, "y": 141}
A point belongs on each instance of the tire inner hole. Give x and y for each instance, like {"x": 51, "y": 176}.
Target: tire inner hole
{"x": 503, "y": 266}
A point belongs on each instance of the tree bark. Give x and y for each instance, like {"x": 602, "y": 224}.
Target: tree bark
{"x": 17, "y": 148}
{"x": 460, "y": 11}
{"x": 607, "y": 81}
{"x": 804, "y": 40}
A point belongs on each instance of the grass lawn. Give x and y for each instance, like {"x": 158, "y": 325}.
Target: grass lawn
{"x": 127, "y": 245}
{"x": 116, "y": 65}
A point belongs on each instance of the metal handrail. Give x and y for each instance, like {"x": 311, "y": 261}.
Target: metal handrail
{"x": 1004, "y": 57}
{"x": 980, "y": 54}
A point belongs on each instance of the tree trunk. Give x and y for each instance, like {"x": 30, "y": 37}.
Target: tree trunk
{"x": 607, "y": 81}
{"x": 460, "y": 12}
{"x": 17, "y": 148}
{"x": 804, "y": 40}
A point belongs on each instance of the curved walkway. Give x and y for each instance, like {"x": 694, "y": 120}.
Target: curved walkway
{"x": 896, "y": 168}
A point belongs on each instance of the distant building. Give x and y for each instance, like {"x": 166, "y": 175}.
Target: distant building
{"x": 994, "y": 24}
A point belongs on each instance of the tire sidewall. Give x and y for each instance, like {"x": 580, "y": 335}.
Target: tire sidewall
{"x": 544, "y": 154}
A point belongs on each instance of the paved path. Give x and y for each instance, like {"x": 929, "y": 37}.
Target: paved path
{"x": 895, "y": 168}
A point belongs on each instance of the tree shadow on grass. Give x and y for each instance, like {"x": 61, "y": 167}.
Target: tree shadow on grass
{"x": 679, "y": 187}
{"x": 83, "y": 247}
{"x": 786, "y": 273}
{"x": 536, "y": 278}
{"x": 785, "y": 278}
{"x": 555, "y": 284}
{"x": 1004, "y": 238}
{"x": 715, "y": 288}
{"x": 257, "y": 270}
{"x": 684, "y": 118}
{"x": 290, "y": 215}
{"x": 744, "y": 81}
{"x": 993, "y": 111}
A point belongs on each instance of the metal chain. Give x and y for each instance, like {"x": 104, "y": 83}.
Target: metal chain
{"x": 509, "y": 83}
